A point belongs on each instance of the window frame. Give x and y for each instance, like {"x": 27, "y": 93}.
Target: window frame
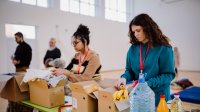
{"x": 36, "y": 3}
{"x": 11, "y": 33}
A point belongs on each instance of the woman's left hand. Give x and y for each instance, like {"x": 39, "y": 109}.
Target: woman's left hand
{"x": 59, "y": 71}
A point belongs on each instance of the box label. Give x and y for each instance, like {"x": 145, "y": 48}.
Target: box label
{"x": 74, "y": 102}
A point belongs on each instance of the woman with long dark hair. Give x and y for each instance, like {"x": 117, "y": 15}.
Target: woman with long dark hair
{"x": 149, "y": 53}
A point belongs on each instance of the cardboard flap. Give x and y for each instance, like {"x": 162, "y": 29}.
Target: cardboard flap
{"x": 107, "y": 83}
{"x": 122, "y": 105}
{"x": 111, "y": 90}
{"x": 92, "y": 95}
{"x": 3, "y": 80}
{"x": 96, "y": 94}
{"x": 39, "y": 83}
{"x": 85, "y": 87}
{"x": 8, "y": 90}
{"x": 60, "y": 83}
{"x": 91, "y": 88}
{"x": 105, "y": 96}
{"x": 22, "y": 86}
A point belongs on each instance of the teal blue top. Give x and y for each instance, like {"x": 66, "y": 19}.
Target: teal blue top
{"x": 159, "y": 66}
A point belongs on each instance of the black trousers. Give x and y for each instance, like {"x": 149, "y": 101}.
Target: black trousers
{"x": 18, "y": 107}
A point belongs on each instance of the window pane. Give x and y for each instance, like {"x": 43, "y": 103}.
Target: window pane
{"x": 30, "y": 2}
{"x": 92, "y": 10}
{"x": 74, "y": 6}
{"x": 121, "y": 17}
{"x": 107, "y": 3}
{"x": 42, "y": 3}
{"x": 84, "y": 1}
{"x": 15, "y": 0}
{"x": 113, "y": 4}
{"x": 64, "y": 5}
{"x": 28, "y": 31}
{"x": 121, "y": 5}
{"x": 115, "y": 10}
{"x": 91, "y": 2}
{"x": 84, "y": 9}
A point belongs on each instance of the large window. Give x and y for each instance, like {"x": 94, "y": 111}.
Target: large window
{"x": 115, "y": 10}
{"x": 28, "y": 31}
{"x": 40, "y": 3}
{"x": 84, "y": 7}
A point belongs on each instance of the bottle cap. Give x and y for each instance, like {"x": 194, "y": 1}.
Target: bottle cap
{"x": 141, "y": 78}
{"x": 162, "y": 96}
{"x": 176, "y": 93}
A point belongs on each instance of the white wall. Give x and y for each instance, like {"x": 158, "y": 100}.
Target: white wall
{"x": 178, "y": 20}
{"x": 108, "y": 38}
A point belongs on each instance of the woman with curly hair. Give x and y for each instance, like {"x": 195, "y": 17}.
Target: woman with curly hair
{"x": 150, "y": 53}
{"x": 85, "y": 65}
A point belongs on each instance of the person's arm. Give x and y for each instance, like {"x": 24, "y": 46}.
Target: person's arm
{"x": 128, "y": 74}
{"x": 178, "y": 58}
{"x": 18, "y": 55}
{"x": 45, "y": 57}
{"x": 58, "y": 53}
{"x": 29, "y": 55}
{"x": 93, "y": 65}
{"x": 166, "y": 69}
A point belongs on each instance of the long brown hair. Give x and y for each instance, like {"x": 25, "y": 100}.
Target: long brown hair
{"x": 151, "y": 30}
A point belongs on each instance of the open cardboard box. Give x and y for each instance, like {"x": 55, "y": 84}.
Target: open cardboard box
{"x": 14, "y": 89}
{"x": 84, "y": 96}
{"x": 106, "y": 103}
{"x": 47, "y": 96}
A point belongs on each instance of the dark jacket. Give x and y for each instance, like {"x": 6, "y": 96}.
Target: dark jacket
{"x": 55, "y": 53}
{"x": 23, "y": 54}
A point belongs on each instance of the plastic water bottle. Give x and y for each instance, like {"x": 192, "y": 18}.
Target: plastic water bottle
{"x": 162, "y": 106}
{"x": 176, "y": 104}
{"x": 142, "y": 98}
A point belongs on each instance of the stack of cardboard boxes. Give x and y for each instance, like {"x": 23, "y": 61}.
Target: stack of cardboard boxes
{"x": 90, "y": 96}
{"x": 87, "y": 96}
{"x": 38, "y": 91}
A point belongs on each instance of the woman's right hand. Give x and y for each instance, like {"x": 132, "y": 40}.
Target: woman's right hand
{"x": 121, "y": 81}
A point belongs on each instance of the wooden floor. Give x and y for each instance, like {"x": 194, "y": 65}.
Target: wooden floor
{"x": 194, "y": 77}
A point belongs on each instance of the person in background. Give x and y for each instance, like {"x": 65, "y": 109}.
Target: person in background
{"x": 52, "y": 53}
{"x": 176, "y": 59}
{"x": 23, "y": 54}
{"x": 21, "y": 59}
{"x": 150, "y": 53}
{"x": 85, "y": 65}
{"x": 57, "y": 63}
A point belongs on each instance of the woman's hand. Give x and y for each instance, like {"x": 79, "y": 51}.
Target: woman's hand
{"x": 121, "y": 81}
{"x": 59, "y": 71}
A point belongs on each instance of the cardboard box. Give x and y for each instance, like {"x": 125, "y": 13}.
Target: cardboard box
{"x": 83, "y": 96}
{"x": 106, "y": 103}
{"x": 14, "y": 89}
{"x": 107, "y": 82}
{"x": 44, "y": 95}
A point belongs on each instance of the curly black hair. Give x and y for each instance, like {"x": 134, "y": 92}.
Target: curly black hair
{"x": 151, "y": 30}
{"x": 82, "y": 33}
